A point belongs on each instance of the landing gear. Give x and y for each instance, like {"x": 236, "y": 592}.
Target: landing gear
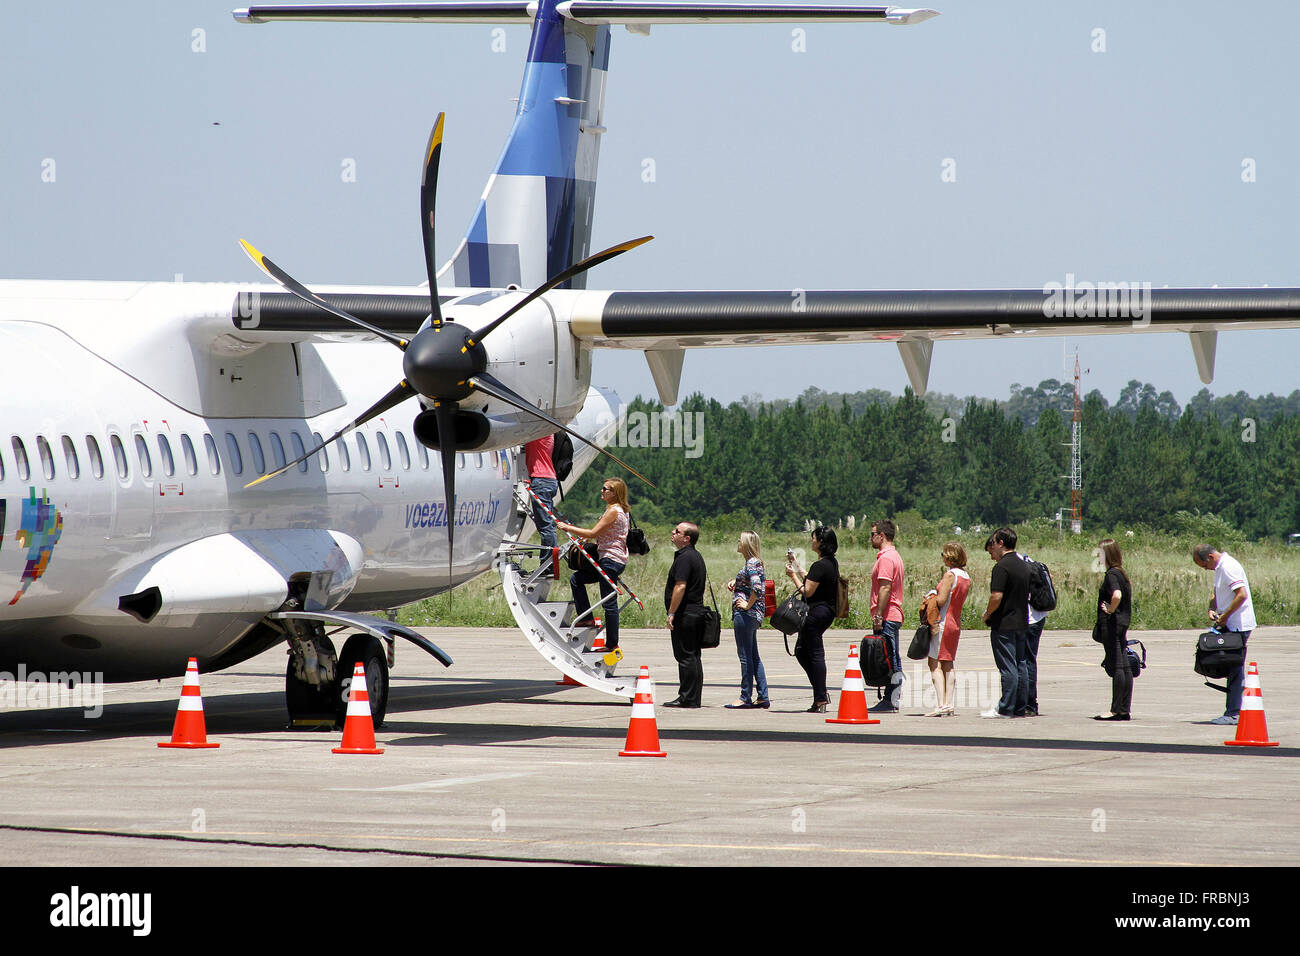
{"x": 373, "y": 655}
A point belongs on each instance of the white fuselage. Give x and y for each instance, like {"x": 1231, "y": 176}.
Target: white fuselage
{"x": 130, "y": 422}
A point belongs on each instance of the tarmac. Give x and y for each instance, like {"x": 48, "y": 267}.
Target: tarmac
{"x": 489, "y": 762}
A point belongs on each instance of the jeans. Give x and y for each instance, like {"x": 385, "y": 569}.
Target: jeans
{"x": 1009, "y": 654}
{"x": 546, "y": 489}
{"x": 1237, "y": 683}
{"x": 1027, "y": 691}
{"x": 578, "y": 582}
{"x": 751, "y": 666}
{"x": 889, "y": 630}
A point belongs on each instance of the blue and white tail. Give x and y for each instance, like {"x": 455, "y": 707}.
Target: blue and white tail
{"x": 534, "y": 219}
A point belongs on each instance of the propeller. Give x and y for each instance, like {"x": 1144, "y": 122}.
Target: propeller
{"x": 443, "y": 362}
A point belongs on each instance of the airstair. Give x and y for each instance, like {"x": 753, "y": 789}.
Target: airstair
{"x": 540, "y": 601}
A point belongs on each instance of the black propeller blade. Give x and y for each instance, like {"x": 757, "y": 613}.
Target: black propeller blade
{"x": 576, "y": 269}
{"x": 428, "y": 190}
{"x": 497, "y": 389}
{"x": 398, "y": 395}
{"x": 290, "y": 284}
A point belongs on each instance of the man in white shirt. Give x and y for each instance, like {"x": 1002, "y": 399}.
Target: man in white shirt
{"x": 1232, "y": 594}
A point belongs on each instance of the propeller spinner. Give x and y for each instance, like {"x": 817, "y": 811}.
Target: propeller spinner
{"x": 444, "y": 362}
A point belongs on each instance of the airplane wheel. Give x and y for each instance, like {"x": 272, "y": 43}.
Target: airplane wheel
{"x": 373, "y": 655}
{"x": 306, "y": 701}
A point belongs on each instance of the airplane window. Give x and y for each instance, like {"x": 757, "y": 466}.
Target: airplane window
{"x": 214, "y": 460}
{"x": 259, "y": 457}
{"x": 232, "y": 450}
{"x": 277, "y": 450}
{"x": 344, "y": 458}
{"x": 424, "y": 454}
{"x": 323, "y": 454}
{"x": 119, "y": 457}
{"x": 142, "y": 452}
{"x": 96, "y": 460}
{"x": 165, "y": 453}
{"x": 478, "y": 459}
{"x": 47, "y": 457}
{"x": 298, "y": 451}
{"x": 495, "y": 459}
{"x": 70, "y": 458}
{"x": 403, "y": 452}
{"x": 20, "y": 459}
{"x": 460, "y": 461}
{"x": 385, "y": 459}
{"x": 2, "y": 467}
{"x": 191, "y": 461}
{"x": 363, "y": 450}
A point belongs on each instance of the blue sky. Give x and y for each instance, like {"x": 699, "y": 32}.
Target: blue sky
{"x": 774, "y": 168}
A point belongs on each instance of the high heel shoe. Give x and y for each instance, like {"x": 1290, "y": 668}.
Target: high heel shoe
{"x": 818, "y": 707}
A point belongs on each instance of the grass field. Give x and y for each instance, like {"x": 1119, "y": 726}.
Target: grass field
{"x": 1169, "y": 591}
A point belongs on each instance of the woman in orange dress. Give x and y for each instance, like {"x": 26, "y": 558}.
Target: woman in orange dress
{"x": 952, "y": 591}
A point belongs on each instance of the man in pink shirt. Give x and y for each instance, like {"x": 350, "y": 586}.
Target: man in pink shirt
{"x": 887, "y": 605}
{"x": 541, "y": 478}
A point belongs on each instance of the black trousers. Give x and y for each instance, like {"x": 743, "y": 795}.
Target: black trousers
{"x": 1116, "y": 664}
{"x": 811, "y": 652}
{"x": 690, "y": 667}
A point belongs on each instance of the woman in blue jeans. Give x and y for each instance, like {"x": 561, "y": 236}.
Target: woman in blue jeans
{"x": 746, "y": 616}
{"x": 610, "y": 535}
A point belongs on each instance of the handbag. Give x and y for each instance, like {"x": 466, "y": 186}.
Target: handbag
{"x": 636, "y": 539}
{"x": 707, "y": 622}
{"x": 575, "y": 555}
{"x": 1099, "y": 632}
{"x": 1220, "y": 653}
{"x": 789, "y": 617}
{"x": 1136, "y": 664}
{"x": 919, "y": 649}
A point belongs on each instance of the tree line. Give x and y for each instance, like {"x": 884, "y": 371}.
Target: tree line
{"x": 825, "y": 456}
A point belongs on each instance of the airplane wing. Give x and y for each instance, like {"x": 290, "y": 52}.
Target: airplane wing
{"x": 664, "y": 324}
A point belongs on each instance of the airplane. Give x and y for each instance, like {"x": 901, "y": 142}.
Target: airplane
{"x": 228, "y": 468}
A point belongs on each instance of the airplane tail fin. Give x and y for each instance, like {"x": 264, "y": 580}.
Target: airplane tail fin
{"x": 534, "y": 219}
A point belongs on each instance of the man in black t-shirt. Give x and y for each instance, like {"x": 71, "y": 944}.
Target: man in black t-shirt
{"x": 1008, "y": 618}
{"x": 683, "y": 600}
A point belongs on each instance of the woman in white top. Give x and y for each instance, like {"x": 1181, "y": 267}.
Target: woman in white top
{"x": 610, "y": 535}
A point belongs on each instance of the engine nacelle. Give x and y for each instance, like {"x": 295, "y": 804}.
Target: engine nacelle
{"x": 472, "y": 431}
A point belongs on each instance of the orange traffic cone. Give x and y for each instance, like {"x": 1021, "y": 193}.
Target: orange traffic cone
{"x": 358, "y": 728}
{"x": 1252, "y": 731}
{"x": 853, "y": 694}
{"x": 189, "y": 731}
{"x": 642, "y": 731}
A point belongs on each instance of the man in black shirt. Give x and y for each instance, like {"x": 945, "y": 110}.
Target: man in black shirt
{"x": 1008, "y": 618}
{"x": 683, "y": 600}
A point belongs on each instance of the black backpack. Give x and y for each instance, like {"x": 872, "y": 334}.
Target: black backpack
{"x": 873, "y": 658}
{"x": 1042, "y": 592}
{"x": 562, "y": 456}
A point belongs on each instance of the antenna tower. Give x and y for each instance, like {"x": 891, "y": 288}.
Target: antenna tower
{"x": 1076, "y": 458}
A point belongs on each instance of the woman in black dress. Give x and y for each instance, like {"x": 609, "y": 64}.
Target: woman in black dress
{"x": 1114, "y": 604}
{"x": 821, "y": 589}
